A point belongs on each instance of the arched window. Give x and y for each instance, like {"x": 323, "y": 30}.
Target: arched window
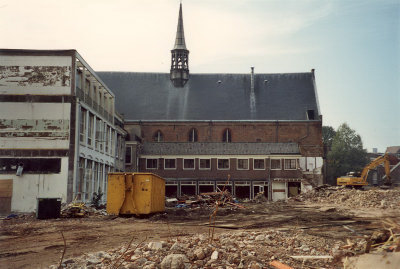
{"x": 192, "y": 135}
{"x": 227, "y": 135}
{"x": 158, "y": 136}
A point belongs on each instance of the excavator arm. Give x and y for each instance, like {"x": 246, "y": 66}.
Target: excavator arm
{"x": 376, "y": 162}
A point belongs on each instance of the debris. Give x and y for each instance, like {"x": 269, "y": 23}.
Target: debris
{"x": 376, "y": 260}
{"x": 373, "y": 198}
{"x": 312, "y": 257}
{"x": 279, "y": 265}
{"x": 74, "y": 210}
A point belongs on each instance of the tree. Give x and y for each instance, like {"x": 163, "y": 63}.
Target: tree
{"x": 328, "y": 133}
{"x": 347, "y": 153}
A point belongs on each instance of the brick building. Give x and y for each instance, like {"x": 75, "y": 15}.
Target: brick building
{"x": 264, "y": 131}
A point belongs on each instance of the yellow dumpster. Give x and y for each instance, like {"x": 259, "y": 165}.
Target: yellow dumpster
{"x": 135, "y": 193}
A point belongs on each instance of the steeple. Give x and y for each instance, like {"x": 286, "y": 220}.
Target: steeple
{"x": 179, "y": 73}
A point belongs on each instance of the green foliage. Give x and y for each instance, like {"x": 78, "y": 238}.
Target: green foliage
{"x": 328, "y": 133}
{"x": 346, "y": 154}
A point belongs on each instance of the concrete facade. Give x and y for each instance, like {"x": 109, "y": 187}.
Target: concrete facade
{"x": 43, "y": 129}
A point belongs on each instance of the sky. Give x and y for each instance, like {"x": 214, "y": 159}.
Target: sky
{"x": 354, "y": 45}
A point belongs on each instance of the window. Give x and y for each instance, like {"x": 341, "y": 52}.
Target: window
{"x": 205, "y": 163}
{"x": 82, "y": 130}
{"x": 113, "y": 143}
{"x": 128, "y": 155}
{"x": 99, "y": 135}
{"x": 188, "y": 163}
{"x": 227, "y": 136}
{"x": 78, "y": 80}
{"x": 151, "y": 163}
{"x": 169, "y": 163}
{"x": 290, "y": 164}
{"x": 87, "y": 86}
{"x": 242, "y": 164}
{"x": 310, "y": 114}
{"x": 223, "y": 164}
{"x": 275, "y": 164}
{"x": 90, "y": 129}
{"x": 106, "y": 138}
{"x": 158, "y": 136}
{"x": 259, "y": 164}
{"x": 193, "y": 135}
{"x": 30, "y": 165}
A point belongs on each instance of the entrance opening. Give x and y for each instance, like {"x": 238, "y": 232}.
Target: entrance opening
{"x": 206, "y": 188}
{"x": 171, "y": 190}
{"x": 242, "y": 192}
{"x": 294, "y": 188}
{"x": 188, "y": 189}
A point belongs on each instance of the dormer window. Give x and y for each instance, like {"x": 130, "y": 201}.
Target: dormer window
{"x": 227, "y": 136}
{"x": 158, "y": 136}
{"x": 192, "y": 135}
{"x": 310, "y": 114}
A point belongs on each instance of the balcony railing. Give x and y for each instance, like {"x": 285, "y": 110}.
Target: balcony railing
{"x": 93, "y": 104}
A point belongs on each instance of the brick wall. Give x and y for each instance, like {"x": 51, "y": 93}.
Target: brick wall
{"x": 307, "y": 134}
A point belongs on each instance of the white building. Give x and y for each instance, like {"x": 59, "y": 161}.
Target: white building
{"x": 57, "y": 124}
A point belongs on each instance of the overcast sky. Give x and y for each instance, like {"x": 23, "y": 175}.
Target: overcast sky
{"x": 354, "y": 45}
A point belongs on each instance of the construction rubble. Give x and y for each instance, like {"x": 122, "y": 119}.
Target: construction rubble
{"x": 373, "y": 198}
{"x": 241, "y": 249}
{"x": 207, "y": 199}
{"x": 228, "y": 250}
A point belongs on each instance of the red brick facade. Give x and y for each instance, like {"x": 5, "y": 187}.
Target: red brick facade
{"x": 308, "y": 134}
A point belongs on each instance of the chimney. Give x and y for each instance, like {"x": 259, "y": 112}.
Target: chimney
{"x": 252, "y": 79}
{"x": 252, "y": 94}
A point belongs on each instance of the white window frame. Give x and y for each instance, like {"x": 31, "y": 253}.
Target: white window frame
{"x": 194, "y": 163}
{"x": 237, "y": 164}
{"x": 284, "y": 164}
{"x": 280, "y": 164}
{"x": 165, "y": 168}
{"x": 147, "y": 168}
{"x": 229, "y": 164}
{"x": 259, "y": 159}
{"x": 204, "y": 168}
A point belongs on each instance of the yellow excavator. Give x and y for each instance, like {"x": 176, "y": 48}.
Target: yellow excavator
{"x": 358, "y": 180}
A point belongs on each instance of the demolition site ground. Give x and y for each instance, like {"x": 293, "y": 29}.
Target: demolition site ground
{"x": 26, "y": 242}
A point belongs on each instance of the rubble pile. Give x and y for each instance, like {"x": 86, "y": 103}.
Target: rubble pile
{"x": 352, "y": 197}
{"x": 80, "y": 210}
{"x": 245, "y": 249}
{"x": 207, "y": 199}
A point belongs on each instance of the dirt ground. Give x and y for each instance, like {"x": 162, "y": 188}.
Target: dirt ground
{"x": 26, "y": 242}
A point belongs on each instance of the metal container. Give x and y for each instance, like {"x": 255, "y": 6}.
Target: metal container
{"x": 135, "y": 193}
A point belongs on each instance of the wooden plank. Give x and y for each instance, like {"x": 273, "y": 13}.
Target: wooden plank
{"x": 6, "y": 188}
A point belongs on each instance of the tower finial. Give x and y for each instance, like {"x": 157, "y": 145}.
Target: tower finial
{"x": 179, "y": 73}
{"x": 180, "y": 35}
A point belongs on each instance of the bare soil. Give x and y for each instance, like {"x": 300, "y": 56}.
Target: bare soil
{"x": 26, "y": 242}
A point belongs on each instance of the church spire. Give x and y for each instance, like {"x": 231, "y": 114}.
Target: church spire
{"x": 179, "y": 73}
{"x": 180, "y": 35}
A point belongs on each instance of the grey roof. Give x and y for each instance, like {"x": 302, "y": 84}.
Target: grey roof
{"x": 151, "y": 96}
{"x": 180, "y": 35}
{"x": 213, "y": 148}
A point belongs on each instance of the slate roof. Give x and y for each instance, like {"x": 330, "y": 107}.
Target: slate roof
{"x": 151, "y": 96}
{"x": 213, "y": 148}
